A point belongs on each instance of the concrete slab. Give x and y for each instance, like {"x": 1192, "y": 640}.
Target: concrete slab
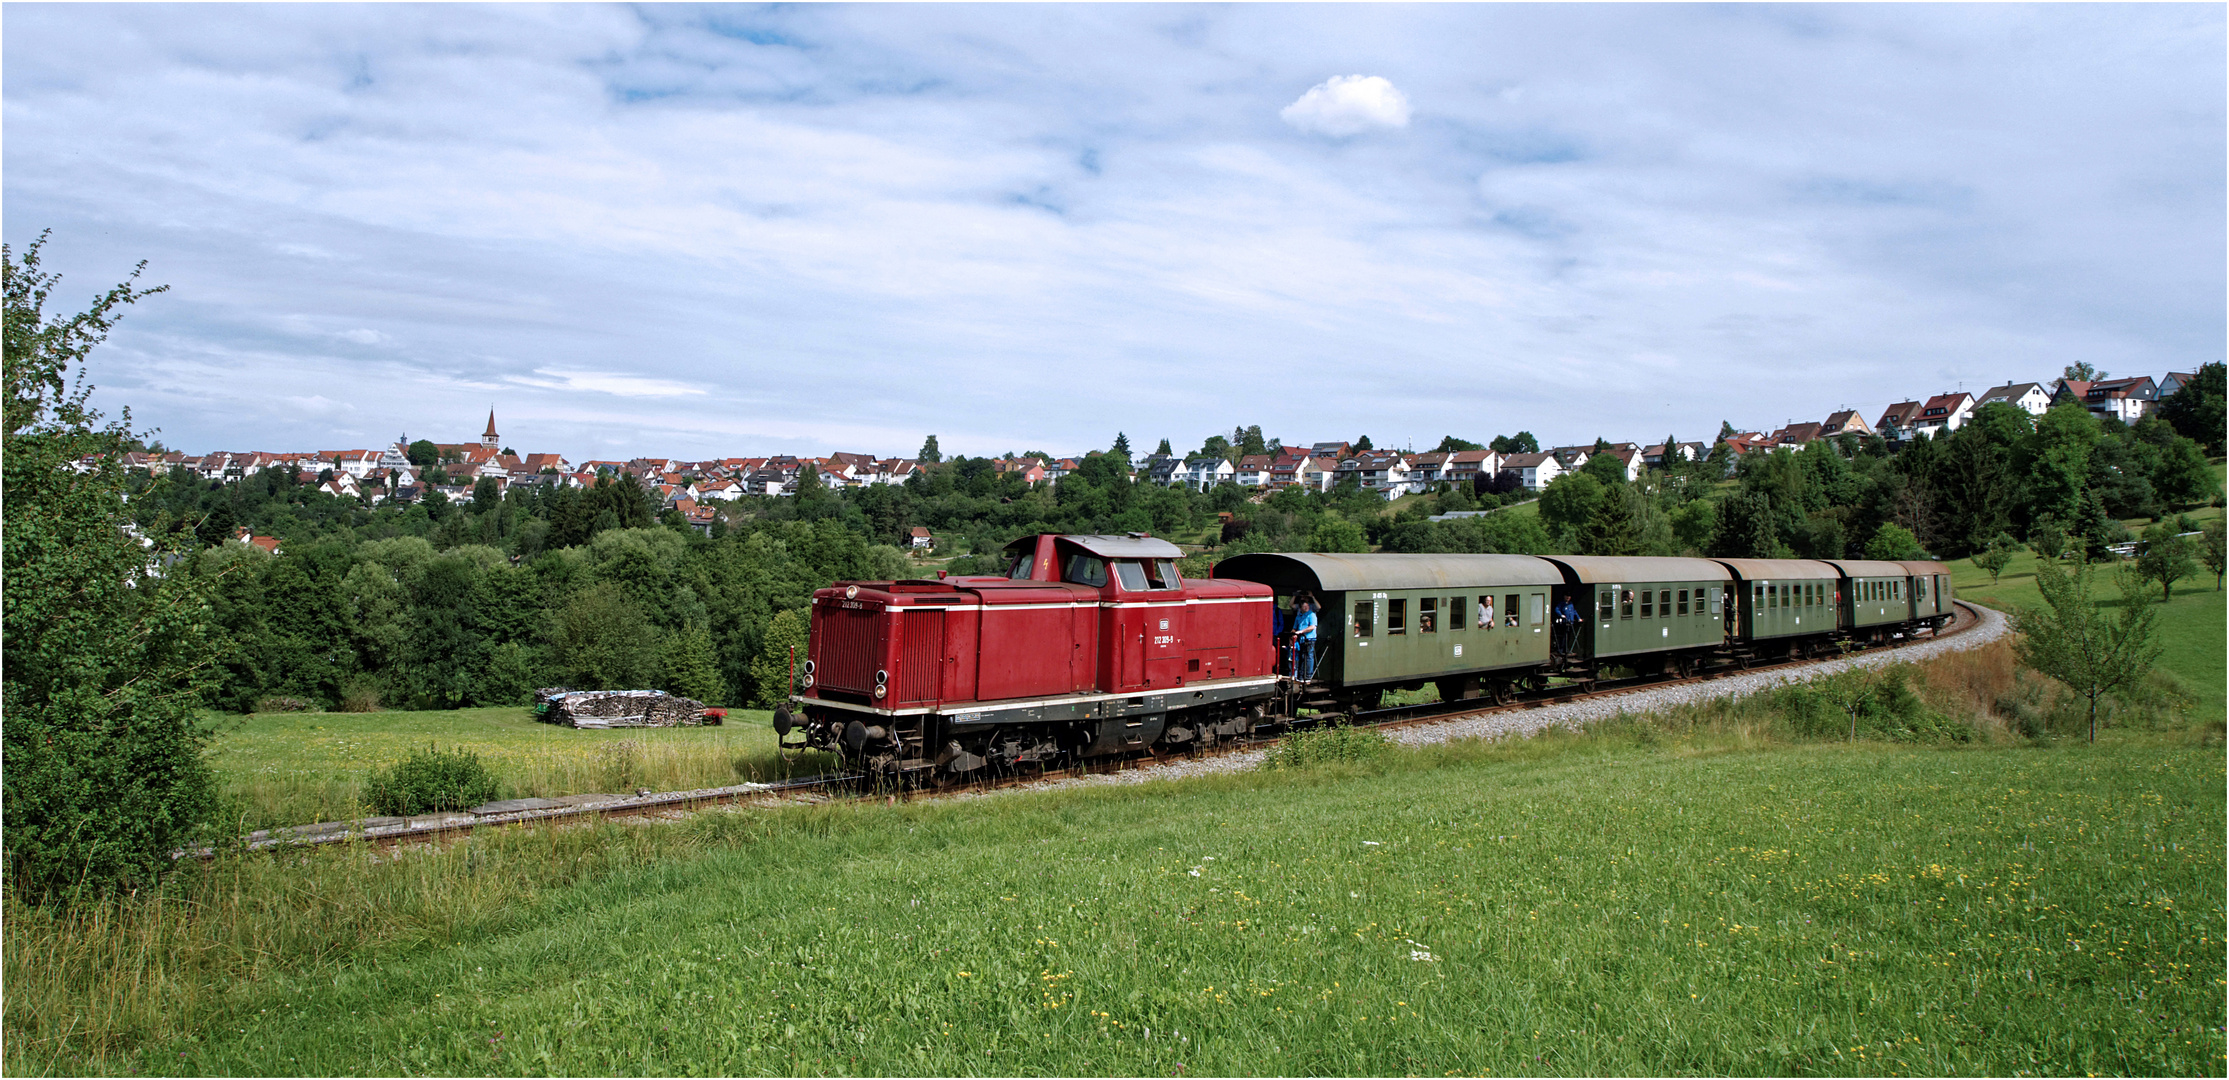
{"x": 588, "y": 800}
{"x": 383, "y": 822}
{"x": 506, "y": 806}
{"x": 430, "y": 821}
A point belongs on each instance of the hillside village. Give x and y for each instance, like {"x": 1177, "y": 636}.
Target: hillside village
{"x": 693, "y": 488}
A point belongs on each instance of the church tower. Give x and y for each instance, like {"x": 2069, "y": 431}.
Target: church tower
{"x": 489, "y": 439}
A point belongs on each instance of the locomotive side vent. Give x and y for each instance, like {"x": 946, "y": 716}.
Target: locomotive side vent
{"x": 923, "y": 660}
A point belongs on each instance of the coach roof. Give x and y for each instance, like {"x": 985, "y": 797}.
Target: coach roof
{"x": 1372, "y": 573}
{"x": 1779, "y": 569}
{"x": 1869, "y": 568}
{"x": 1608, "y": 570}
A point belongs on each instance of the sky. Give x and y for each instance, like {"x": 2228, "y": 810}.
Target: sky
{"x": 711, "y": 231}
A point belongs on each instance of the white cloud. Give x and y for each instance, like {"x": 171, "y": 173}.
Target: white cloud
{"x": 604, "y": 382}
{"x": 1346, "y": 105}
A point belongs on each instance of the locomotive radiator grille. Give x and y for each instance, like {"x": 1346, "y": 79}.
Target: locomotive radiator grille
{"x": 923, "y": 646}
{"x": 850, "y": 645}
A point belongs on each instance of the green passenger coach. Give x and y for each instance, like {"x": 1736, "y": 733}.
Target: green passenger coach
{"x": 1388, "y": 620}
{"x": 1878, "y": 594}
{"x": 1675, "y": 608}
{"x": 1785, "y": 599}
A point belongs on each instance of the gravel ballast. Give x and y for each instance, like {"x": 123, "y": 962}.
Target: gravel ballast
{"x": 1988, "y": 626}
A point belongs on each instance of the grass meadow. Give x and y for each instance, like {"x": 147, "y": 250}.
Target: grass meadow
{"x": 296, "y": 768}
{"x": 1658, "y": 896}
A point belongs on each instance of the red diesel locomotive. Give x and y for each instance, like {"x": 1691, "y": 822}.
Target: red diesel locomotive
{"x": 1089, "y": 645}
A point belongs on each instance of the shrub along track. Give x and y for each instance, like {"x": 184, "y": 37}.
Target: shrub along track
{"x": 1432, "y": 722}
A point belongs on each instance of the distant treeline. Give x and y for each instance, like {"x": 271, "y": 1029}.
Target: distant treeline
{"x": 478, "y": 601}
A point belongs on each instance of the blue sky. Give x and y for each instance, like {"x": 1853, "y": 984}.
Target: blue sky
{"x": 706, "y": 231}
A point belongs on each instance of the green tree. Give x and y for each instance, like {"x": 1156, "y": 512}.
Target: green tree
{"x": 1248, "y": 441}
{"x": 1606, "y": 468}
{"x": 423, "y": 454}
{"x": 1449, "y": 444}
{"x": 2213, "y": 549}
{"x": 1337, "y": 535}
{"x": 2073, "y": 640}
{"x": 1520, "y": 443}
{"x": 106, "y": 660}
{"x": 2196, "y": 410}
{"x": 1614, "y": 527}
{"x": 1363, "y": 444}
{"x": 930, "y": 455}
{"x": 2165, "y": 558}
{"x": 1568, "y": 502}
{"x": 1693, "y": 524}
{"x": 2182, "y": 477}
{"x": 785, "y": 639}
{"x": 2082, "y": 371}
{"x": 1745, "y": 528}
{"x": 692, "y": 667}
{"x": 1121, "y": 447}
{"x": 1995, "y": 557}
{"x": 1892, "y": 542}
{"x": 603, "y": 641}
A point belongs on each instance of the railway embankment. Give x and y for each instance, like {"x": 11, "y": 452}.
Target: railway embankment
{"x": 1977, "y": 626}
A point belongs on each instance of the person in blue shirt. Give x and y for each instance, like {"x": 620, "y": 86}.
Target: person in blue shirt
{"x": 1567, "y": 625}
{"x": 1304, "y": 636}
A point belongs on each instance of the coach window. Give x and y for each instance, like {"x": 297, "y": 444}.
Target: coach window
{"x": 1397, "y": 616}
{"x": 1085, "y": 570}
{"x": 1716, "y": 598}
{"x": 1625, "y": 604}
{"x": 1130, "y": 574}
{"x": 1758, "y": 604}
{"x": 1455, "y": 615}
{"x": 1664, "y": 603}
{"x": 1509, "y": 611}
{"x": 1428, "y": 615}
{"x": 1607, "y": 604}
{"x": 1363, "y": 610}
{"x": 1536, "y": 610}
{"x": 1648, "y": 603}
{"x": 1683, "y": 601}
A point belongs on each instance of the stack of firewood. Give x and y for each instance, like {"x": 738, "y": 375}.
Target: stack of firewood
{"x": 616, "y": 708}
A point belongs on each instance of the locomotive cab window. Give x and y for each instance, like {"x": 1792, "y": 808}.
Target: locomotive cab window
{"x": 1396, "y": 616}
{"x": 1130, "y": 574}
{"x": 1428, "y": 615}
{"x": 1363, "y": 612}
{"x": 1022, "y": 564}
{"x": 1085, "y": 570}
{"x": 1161, "y": 574}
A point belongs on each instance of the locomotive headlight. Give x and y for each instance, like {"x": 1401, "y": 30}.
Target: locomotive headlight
{"x": 881, "y": 677}
{"x": 880, "y": 691}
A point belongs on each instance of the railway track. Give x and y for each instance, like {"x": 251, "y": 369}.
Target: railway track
{"x": 434, "y": 828}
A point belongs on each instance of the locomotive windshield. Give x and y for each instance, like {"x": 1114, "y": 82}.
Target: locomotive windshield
{"x": 1138, "y": 575}
{"x": 1085, "y": 570}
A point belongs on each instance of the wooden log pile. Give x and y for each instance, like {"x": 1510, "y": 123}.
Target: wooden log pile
{"x": 617, "y": 708}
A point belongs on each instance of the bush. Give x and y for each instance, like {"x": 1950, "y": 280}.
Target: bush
{"x": 1331, "y": 745}
{"x": 1889, "y": 709}
{"x": 278, "y": 703}
{"x": 431, "y": 781}
{"x": 359, "y": 695}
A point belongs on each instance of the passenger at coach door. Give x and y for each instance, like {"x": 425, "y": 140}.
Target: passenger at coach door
{"x": 1304, "y": 636}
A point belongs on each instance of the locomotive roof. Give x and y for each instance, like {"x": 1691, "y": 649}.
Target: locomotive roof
{"x": 1781, "y": 569}
{"x": 1869, "y": 567}
{"x": 1599, "y": 569}
{"x": 1125, "y": 547}
{"x": 1363, "y": 573}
